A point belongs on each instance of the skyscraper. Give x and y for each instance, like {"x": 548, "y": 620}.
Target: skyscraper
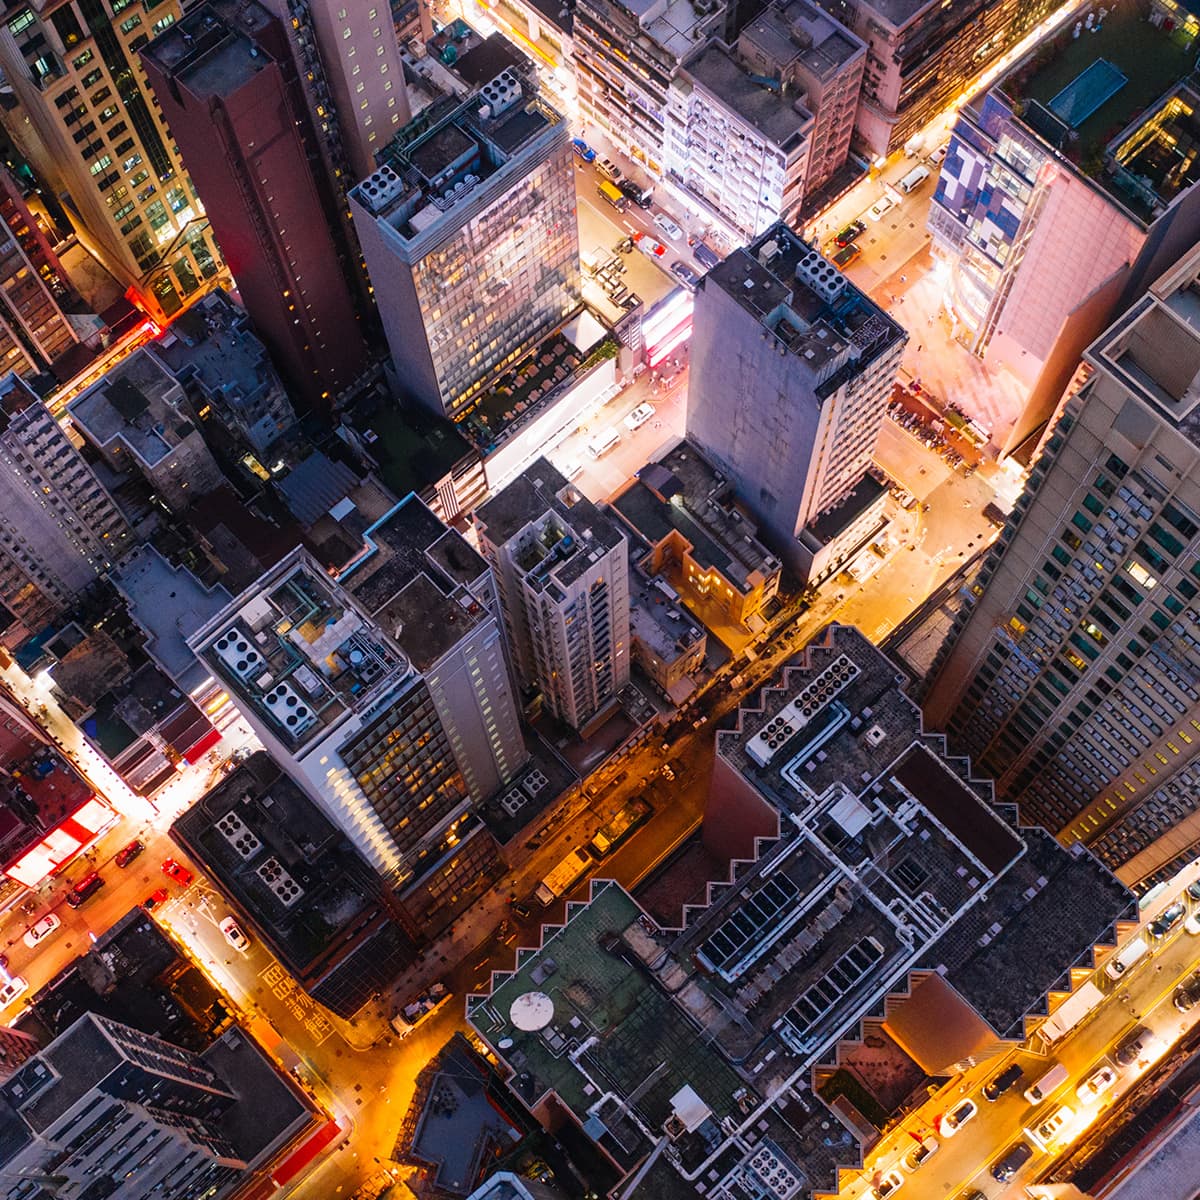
{"x": 384, "y": 692}
{"x": 88, "y": 123}
{"x": 1073, "y": 675}
{"x": 791, "y": 372}
{"x": 230, "y": 92}
{"x": 470, "y": 238}
{"x": 562, "y": 571}
{"x": 60, "y": 530}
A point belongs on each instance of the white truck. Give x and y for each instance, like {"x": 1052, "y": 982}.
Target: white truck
{"x": 427, "y": 1003}
{"x": 562, "y": 877}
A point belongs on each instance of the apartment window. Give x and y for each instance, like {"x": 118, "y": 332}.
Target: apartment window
{"x": 163, "y": 23}
{"x": 132, "y": 161}
{"x": 98, "y": 97}
{"x": 130, "y": 23}
{"x": 106, "y": 114}
{"x": 21, "y": 21}
{"x": 81, "y": 60}
{"x": 92, "y": 78}
{"x": 101, "y": 164}
{"x": 140, "y": 178}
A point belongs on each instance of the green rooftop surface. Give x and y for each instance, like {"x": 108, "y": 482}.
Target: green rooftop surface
{"x": 646, "y": 1046}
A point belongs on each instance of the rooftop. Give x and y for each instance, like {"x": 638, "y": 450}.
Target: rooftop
{"x": 797, "y": 33}
{"x": 676, "y": 25}
{"x": 15, "y": 397}
{"x": 666, "y": 628}
{"x": 168, "y": 602}
{"x": 830, "y": 327}
{"x": 1122, "y": 95}
{"x": 830, "y": 524}
{"x": 781, "y": 120}
{"x": 135, "y": 404}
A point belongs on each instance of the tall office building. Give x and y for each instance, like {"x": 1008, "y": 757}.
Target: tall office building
{"x": 34, "y": 331}
{"x": 1073, "y": 675}
{"x": 384, "y": 692}
{"x": 791, "y": 372}
{"x": 922, "y": 54}
{"x": 470, "y": 238}
{"x": 626, "y": 54}
{"x": 87, "y": 121}
{"x": 562, "y": 570}
{"x": 61, "y": 529}
{"x": 105, "y": 1102}
{"x": 230, "y": 92}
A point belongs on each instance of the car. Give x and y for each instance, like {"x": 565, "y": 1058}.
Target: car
{"x": 172, "y": 870}
{"x": 84, "y": 889}
{"x": 973, "y": 1196}
{"x": 938, "y": 156}
{"x": 1052, "y": 1126}
{"x": 670, "y": 229}
{"x": 958, "y": 1116}
{"x": 685, "y": 275}
{"x": 667, "y": 773}
{"x": 1004, "y": 1168}
{"x": 156, "y": 897}
{"x": 1167, "y": 919}
{"x": 583, "y": 150}
{"x": 40, "y": 930}
{"x": 889, "y": 1183}
{"x": 881, "y": 206}
{"x": 852, "y": 231}
{"x": 921, "y": 1153}
{"x": 609, "y": 170}
{"x": 127, "y": 854}
{"x": 521, "y": 910}
{"x": 1187, "y": 995}
{"x": 1130, "y": 1047}
{"x": 1096, "y": 1084}
{"x": 643, "y": 197}
{"x": 572, "y": 469}
{"x": 705, "y": 255}
{"x": 1004, "y": 1082}
{"x": 648, "y": 246}
{"x": 639, "y": 416}
{"x": 234, "y": 935}
{"x": 846, "y": 255}
{"x": 1193, "y": 890}
{"x": 1192, "y": 924}
{"x": 11, "y": 988}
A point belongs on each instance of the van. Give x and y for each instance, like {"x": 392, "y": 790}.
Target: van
{"x": 1047, "y": 1084}
{"x": 913, "y": 179}
{"x": 613, "y": 195}
{"x": 87, "y": 887}
{"x": 601, "y": 443}
{"x": 609, "y": 169}
{"x": 1017, "y": 1156}
{"x": 1129, "y": 954}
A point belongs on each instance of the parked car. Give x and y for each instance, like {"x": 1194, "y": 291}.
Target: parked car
{"x": 643, "y": 197}
{"x": 639, "y": 416}
{"x": 846, "y": 255}
{"x": 1130, "y": 1047}
{"x": 1167, "y": 919}
{"x": 583, "y": 150}
{"x": 1187, "y": 994}
{"x": 1004, "y": 1082}
{"x": 609, "y": 170}
{"x": 234, "y": 935}
{"x": 156, "y": 897}
{"x": 40, "y": 930}
{"x": 1006, "y": 1167}
{"x": 11, "y": 989}
{"x": 84, "y": 889}
{"x": 705, "y": 255}
{"x": 920, "y": 1153}
{"x": 648, "y": 246}
{"x": 685, "y": 275}
{"x": 1052, "y": 1126}
{"x": 958, "y": 1116}
{"x": 521, "y": 910}
{"x": 1096, "y": 1084}
{"x": 181, "y": 875}
{"x": 670, "y": 229}
{"x": 882, "y": 205}
{"x": 938, "y": 156}
{"x": 889, "y": 1183}
{"x": 127, "y": 854}
{"x": 851, "y": 233}
{"x": 1193, "y": 890}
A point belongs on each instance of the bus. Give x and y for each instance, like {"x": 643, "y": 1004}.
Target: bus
{"x": 634, "y": 814}
{"x": 613, "y": 195}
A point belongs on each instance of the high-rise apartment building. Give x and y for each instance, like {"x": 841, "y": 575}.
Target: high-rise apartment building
{"x": 104, "y": 1101}
{"x": 791, "y": 372}
{"x": 88, "y": 122}
{"x": 626, "y": 54}
{"x": 1033, "y": 171}
{"x": 1073, "y": 675}
{"x": 470, "y": 238}
{"x": 61, "y": 529}
{"x": 227, "y": 85}
{"x": 34, "y": 331}
{"x": 562, "y": 571}
{"x": 922, "y": 54}
{"x": 384, "y": 692}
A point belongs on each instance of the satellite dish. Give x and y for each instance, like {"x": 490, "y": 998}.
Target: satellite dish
{"x": 532, "y": 1011}
{"x": 504, "y": 1044}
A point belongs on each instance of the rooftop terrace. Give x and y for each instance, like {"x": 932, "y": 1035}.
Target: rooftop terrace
{"x": 780, "y": 120}
{"x": 825, "y": 49}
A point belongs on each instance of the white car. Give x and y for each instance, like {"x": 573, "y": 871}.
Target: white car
{"x": 889, "y": 1183}
{"x": 919, "y": 1154}
{"x": 648, "y": 246}
{"x": 1052, "y": 1126}
{"x": 42, "y": 929}
{"x": 1096, "y": 1084}
{"x": 234, "y": 935}
{"x": 881, "y": 206}
{"x": 639, "y": 416}
{"x": 672, "y": 231}
{"x": 938, "y": 156}
{"x": 957, "y": 1117}
{"x": 11, "y": 989}
{"x": 1192, "y": 924}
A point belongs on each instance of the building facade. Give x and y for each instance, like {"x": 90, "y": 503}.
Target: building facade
{"x": 561, "y": 567}
{"x": 1072, "y": 676}
{"x": 87, "y": 121}
{"x": 61, "y": 529}
{"x": 225, "y": 81}
{"x": 471, "y": 240}
{"x": 791, "y": 372}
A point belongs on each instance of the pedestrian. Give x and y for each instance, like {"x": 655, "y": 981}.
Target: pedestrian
{"x": 903, "y": 278}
